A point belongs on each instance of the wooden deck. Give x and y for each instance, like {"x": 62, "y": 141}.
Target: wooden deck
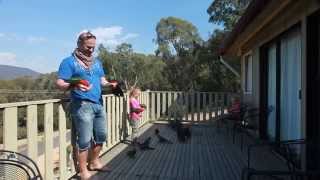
{"x": 209, "y": 155}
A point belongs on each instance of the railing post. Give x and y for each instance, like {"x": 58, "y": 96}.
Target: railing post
{"x": 210, "y": 106}
{"x": 10, "y": 128}
{"x": 152, "y": 106}
{"x": 204, "y": 106}
{"x": 121, "y": 119}
{"x": 164, "y": 103}
{"x": 158, "y": 105}
{"x": 148, "y": 105}
{"x": 48, "y": 133}
{"x": 186, "y": 103}
{"x": 198, "y": 106}
{"x": 63, "y": 144}
{"x": 117, "y": 119}
{"x": 113, "y": 124}
{"x": 32, "y": 131}
{"x": 192, "y": 106}
{"x": 128, "y": 112}
{"x": 109, "y": 128}
{"x": 104, "y": 104}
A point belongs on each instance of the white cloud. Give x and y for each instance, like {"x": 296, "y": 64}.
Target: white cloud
{"x": 8, "y": 58}
{"x": 29, "y": 39}
{"x": 33, "y": 39}
{"x": 111, "y": 36}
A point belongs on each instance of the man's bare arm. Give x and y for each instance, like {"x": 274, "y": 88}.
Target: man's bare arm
{"x": 104, "y": 82}
{"x": 62, "y": 85}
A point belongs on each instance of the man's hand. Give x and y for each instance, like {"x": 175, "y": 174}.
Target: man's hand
{"x": 83, "y": 87}
{"x": 104, "y": 82}
{"x": 113, "y": 84}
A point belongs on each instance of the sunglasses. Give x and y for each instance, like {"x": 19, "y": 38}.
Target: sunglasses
{"x": 86, "y": 36}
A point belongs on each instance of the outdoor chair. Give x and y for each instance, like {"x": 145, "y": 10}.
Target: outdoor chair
{"x": 290, "y": 154}
{"x": 233, "y": 118}
{"x": 244, "y": 126}
{"x": 16, "y": 166}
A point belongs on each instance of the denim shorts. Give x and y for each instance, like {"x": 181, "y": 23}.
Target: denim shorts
{"x": 89, "y": 123}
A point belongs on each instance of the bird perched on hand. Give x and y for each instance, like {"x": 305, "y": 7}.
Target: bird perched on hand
{"x": 146, "y": 144}
{"x": 117, "y": 90}
{"x": 161, "y": 138}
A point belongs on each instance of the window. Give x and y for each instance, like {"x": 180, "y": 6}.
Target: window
{"x": 247, "y": 84}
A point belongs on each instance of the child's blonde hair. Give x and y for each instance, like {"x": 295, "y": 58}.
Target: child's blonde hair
{"x": 133, "y": 90}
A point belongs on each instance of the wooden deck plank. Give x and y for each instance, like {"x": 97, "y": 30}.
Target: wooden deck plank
{"x": 153, "y": 158}
{"x": 165, "y": 152}
{"x": 144, "y": 159}
{"x": 206, "y": 166}
{"x": 173, "y": 163}
{"x": 169, "y": 156}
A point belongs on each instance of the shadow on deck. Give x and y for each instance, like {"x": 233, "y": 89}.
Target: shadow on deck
{"x": 209, "y": 155}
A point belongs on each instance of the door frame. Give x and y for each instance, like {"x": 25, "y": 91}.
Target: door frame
{"x": 313, "y": 86}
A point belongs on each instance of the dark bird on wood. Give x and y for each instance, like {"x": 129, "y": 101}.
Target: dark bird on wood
{"x": 117, "y": 90}
{"x": 146, "y": 144}
{"x": 132, "y": 153}
{"x": 161, "y": 138}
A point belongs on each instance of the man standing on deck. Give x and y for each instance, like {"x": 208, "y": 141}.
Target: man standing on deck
{"x": 87, "y": 113}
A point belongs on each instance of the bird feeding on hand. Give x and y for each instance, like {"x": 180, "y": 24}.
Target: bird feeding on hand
{"x": 78, "y": 82}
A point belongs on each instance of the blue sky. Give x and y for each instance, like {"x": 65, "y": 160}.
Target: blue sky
{"x": 38, "y": 34}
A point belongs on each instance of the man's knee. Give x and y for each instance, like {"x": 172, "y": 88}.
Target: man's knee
{"x": 100, "y": 137}
{"x": 84, "y": 143}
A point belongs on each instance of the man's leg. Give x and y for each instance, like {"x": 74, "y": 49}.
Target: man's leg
{"x": 95, "y": 162}
{"x": 82, "y": 159}
{"x": 99, "y": 135}
{"x": 82, "y": 117}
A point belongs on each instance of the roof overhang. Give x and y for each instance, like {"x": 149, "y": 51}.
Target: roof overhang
{"x": 257, "y": 15}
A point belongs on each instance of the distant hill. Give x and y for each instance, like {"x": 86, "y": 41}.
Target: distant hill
{"x": 12, "y": 72}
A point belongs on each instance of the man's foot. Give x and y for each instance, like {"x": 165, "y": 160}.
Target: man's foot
{"x": 98, "y": 166}
{"x": 85, "y": 175}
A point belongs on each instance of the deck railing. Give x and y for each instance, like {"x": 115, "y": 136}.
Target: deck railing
{"x": 49, "y": 148}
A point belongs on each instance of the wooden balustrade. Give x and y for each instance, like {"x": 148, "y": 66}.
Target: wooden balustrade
{"x": 161, "y": 105}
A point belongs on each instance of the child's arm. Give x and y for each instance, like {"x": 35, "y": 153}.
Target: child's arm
{"x": 137, "y": 110}
{"x": 135, "y": 107}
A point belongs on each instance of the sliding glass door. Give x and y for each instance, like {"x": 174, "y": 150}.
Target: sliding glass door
{"x": 272, "y": 93}
{"x": 290, "y": 106}
{"x": 284, "y": 86}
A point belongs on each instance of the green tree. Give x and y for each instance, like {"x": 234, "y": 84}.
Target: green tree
{"x": 134, "y": 69}
{"x": 226, "y": 12}
{"x": 175, "y": 36}
{"x": 124, "y": 49}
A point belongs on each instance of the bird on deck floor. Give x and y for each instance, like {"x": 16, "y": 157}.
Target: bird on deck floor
{"x": 161, "y": 138}
{"x": 132, "y": 153}
{"x": 146, "y": 144}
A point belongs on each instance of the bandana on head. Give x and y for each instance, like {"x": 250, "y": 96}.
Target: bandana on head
{"x": 80, "y": 53}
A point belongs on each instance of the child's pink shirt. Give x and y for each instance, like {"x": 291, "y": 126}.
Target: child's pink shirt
{"x": 134, "y": 103}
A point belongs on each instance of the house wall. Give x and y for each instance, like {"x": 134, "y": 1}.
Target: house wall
{"x": 252, "y": 98}
{"x": 294, "y": 13}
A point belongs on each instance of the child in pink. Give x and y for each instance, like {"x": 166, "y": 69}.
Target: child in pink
{"x": 135, "y": 112}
